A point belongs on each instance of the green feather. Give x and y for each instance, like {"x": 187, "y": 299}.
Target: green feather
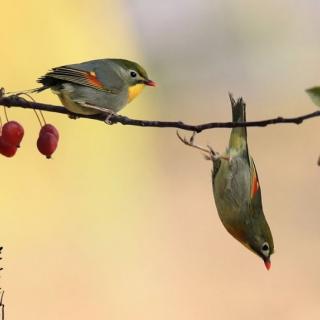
{"x": 314, "y": 94}
{"x": 238, "y": 137}
{"x": 131, "y": 65}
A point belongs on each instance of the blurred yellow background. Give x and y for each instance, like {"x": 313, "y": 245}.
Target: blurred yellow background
{"x": 121, "y": 224}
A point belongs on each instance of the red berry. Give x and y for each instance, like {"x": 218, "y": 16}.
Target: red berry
{"x": 50, "y": 128}
{"x": 7, "y": 149}
{"x": 47, "y": 144}
{"x": 12, "y": 133}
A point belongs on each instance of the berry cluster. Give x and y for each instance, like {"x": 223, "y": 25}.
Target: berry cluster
{"x": 12, "y": 133}
{"x": 48, "y": 140}
{"x": 11, "y": 136}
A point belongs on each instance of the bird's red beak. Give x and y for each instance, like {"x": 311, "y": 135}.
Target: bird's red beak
{"x": 267, "y": 263}
{"x": 150, "y": 83}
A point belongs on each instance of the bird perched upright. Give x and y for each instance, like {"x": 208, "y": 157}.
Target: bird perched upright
{"x": 236, "y": 189}
{"x": 97, "y": 86}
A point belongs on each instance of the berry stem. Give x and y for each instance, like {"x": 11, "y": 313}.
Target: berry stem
{"x": 41, "y": 113}
{"x": 36, "y": 113}
{"x": 5, "y": 113}
{"x": 43, "y": 118}
{"x": 30, "y": 97}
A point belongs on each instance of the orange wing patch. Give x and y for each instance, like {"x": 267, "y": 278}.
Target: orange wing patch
{"x": 254, "y": 184}
{"x": 93, "y": 80}
{"x": 76, "y": 76}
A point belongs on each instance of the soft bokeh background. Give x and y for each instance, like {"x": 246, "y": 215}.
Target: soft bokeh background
{"x": 121, "y": 224}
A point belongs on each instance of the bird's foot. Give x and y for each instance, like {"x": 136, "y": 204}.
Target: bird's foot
{"x": 227, "y": 158}
{"x": 73, "y": 116}
{"x": 209, "y": 153}
{"x": 213, "y": 155}
{"x": 110, "y": 114}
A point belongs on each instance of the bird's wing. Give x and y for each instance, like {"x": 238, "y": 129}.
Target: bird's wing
{"x": 255, "y": 191}
{"x": 77, "y": 76}
{"x": 254, "y": 180}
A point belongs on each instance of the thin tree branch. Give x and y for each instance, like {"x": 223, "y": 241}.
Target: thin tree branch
{"x": 17, "y": 101}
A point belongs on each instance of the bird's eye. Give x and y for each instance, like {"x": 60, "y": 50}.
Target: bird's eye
{"x": 265, "y": 248}
{"x": 133, "y": 74}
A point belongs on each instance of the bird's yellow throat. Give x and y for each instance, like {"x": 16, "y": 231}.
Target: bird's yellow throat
{"x": 134, "y": 91}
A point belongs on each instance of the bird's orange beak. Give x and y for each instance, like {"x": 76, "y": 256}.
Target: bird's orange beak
{"x": 150, "y": 83}
{"x": 267, "y": 263}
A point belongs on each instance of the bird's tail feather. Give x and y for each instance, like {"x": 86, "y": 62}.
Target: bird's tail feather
{"x": 238, "y": 137}
{"x": 34, "y": 90}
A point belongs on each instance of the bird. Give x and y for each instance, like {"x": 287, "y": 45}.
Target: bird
{"x": 96, "y": 86}
{"x": 237, "y": 190}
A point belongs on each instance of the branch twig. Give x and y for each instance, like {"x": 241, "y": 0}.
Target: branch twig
{"x": 16, "y": 101}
